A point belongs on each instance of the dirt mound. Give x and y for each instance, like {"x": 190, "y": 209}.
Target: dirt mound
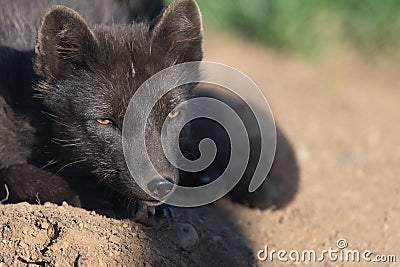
{"x": 51, "y": 235}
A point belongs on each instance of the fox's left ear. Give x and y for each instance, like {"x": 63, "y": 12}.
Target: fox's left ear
{"x": 65, "y": 43}
{"x": 178, "y": 31}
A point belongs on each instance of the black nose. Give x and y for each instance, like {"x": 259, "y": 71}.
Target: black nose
{"x": 161, "y": 187}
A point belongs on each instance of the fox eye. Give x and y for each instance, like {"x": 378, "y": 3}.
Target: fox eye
{"x": 104, "y": 121}
{"x": 173, "y": 114}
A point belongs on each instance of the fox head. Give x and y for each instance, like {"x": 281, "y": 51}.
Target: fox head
{"x": 88, "y": 76}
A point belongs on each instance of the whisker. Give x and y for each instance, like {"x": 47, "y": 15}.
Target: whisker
{"x": 49, "y": 163}
{"x": 54, "y": 118}
{"x": 69, "y": 164}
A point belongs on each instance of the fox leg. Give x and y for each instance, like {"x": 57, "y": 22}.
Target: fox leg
{"x": 19, "y": 180}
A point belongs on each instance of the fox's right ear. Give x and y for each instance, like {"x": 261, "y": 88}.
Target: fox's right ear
{"x": 178, "y": 31}
{"x": 64, "y": 43}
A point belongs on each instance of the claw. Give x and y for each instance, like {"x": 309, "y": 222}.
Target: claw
{"x": 159, "y": 217}
{"x": 151, "y": 210}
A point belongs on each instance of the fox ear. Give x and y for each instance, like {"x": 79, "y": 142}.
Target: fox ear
{"x": 178, "y": 31}
{"x": 64, "y": 43}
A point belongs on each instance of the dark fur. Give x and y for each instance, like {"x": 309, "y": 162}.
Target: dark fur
{"x": 142, "y": 10}
{"x": 52, "y": 147}
{"x": 83, "y": 73}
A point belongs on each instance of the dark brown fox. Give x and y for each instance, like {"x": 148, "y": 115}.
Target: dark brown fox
{"x": 60, "y": 125}
{"x": 63, "y": 96}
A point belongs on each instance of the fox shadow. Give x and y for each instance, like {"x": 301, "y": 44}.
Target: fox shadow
{"x": 281, "y": 183}
{"x": 222, "y": 241}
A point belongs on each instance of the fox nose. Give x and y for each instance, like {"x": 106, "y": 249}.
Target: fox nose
{"x": 161, "y": 186}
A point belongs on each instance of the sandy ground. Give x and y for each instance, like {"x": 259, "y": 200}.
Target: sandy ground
{"x": 341, "y": 117}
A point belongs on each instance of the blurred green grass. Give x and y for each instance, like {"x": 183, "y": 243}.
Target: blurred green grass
{"x": 307, "y": 26}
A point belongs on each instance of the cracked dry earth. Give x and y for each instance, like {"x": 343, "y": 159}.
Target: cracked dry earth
{"x": 340, "y": 114}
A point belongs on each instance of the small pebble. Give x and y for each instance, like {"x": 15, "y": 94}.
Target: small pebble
{"x": 47, "y": 204}
{"x": 142, "y": 235}
{"x": 186, "y": 235}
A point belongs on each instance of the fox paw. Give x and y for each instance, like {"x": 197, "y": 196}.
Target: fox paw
{"x": 159, "y": 217}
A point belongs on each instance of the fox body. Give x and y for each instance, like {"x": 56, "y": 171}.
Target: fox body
{"x": 63, "y": 99}
{"x": 65, "y": 84}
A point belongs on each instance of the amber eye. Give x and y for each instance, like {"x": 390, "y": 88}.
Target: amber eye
{"x": 104, "y": 121}
{"x": 173, "y": 114}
